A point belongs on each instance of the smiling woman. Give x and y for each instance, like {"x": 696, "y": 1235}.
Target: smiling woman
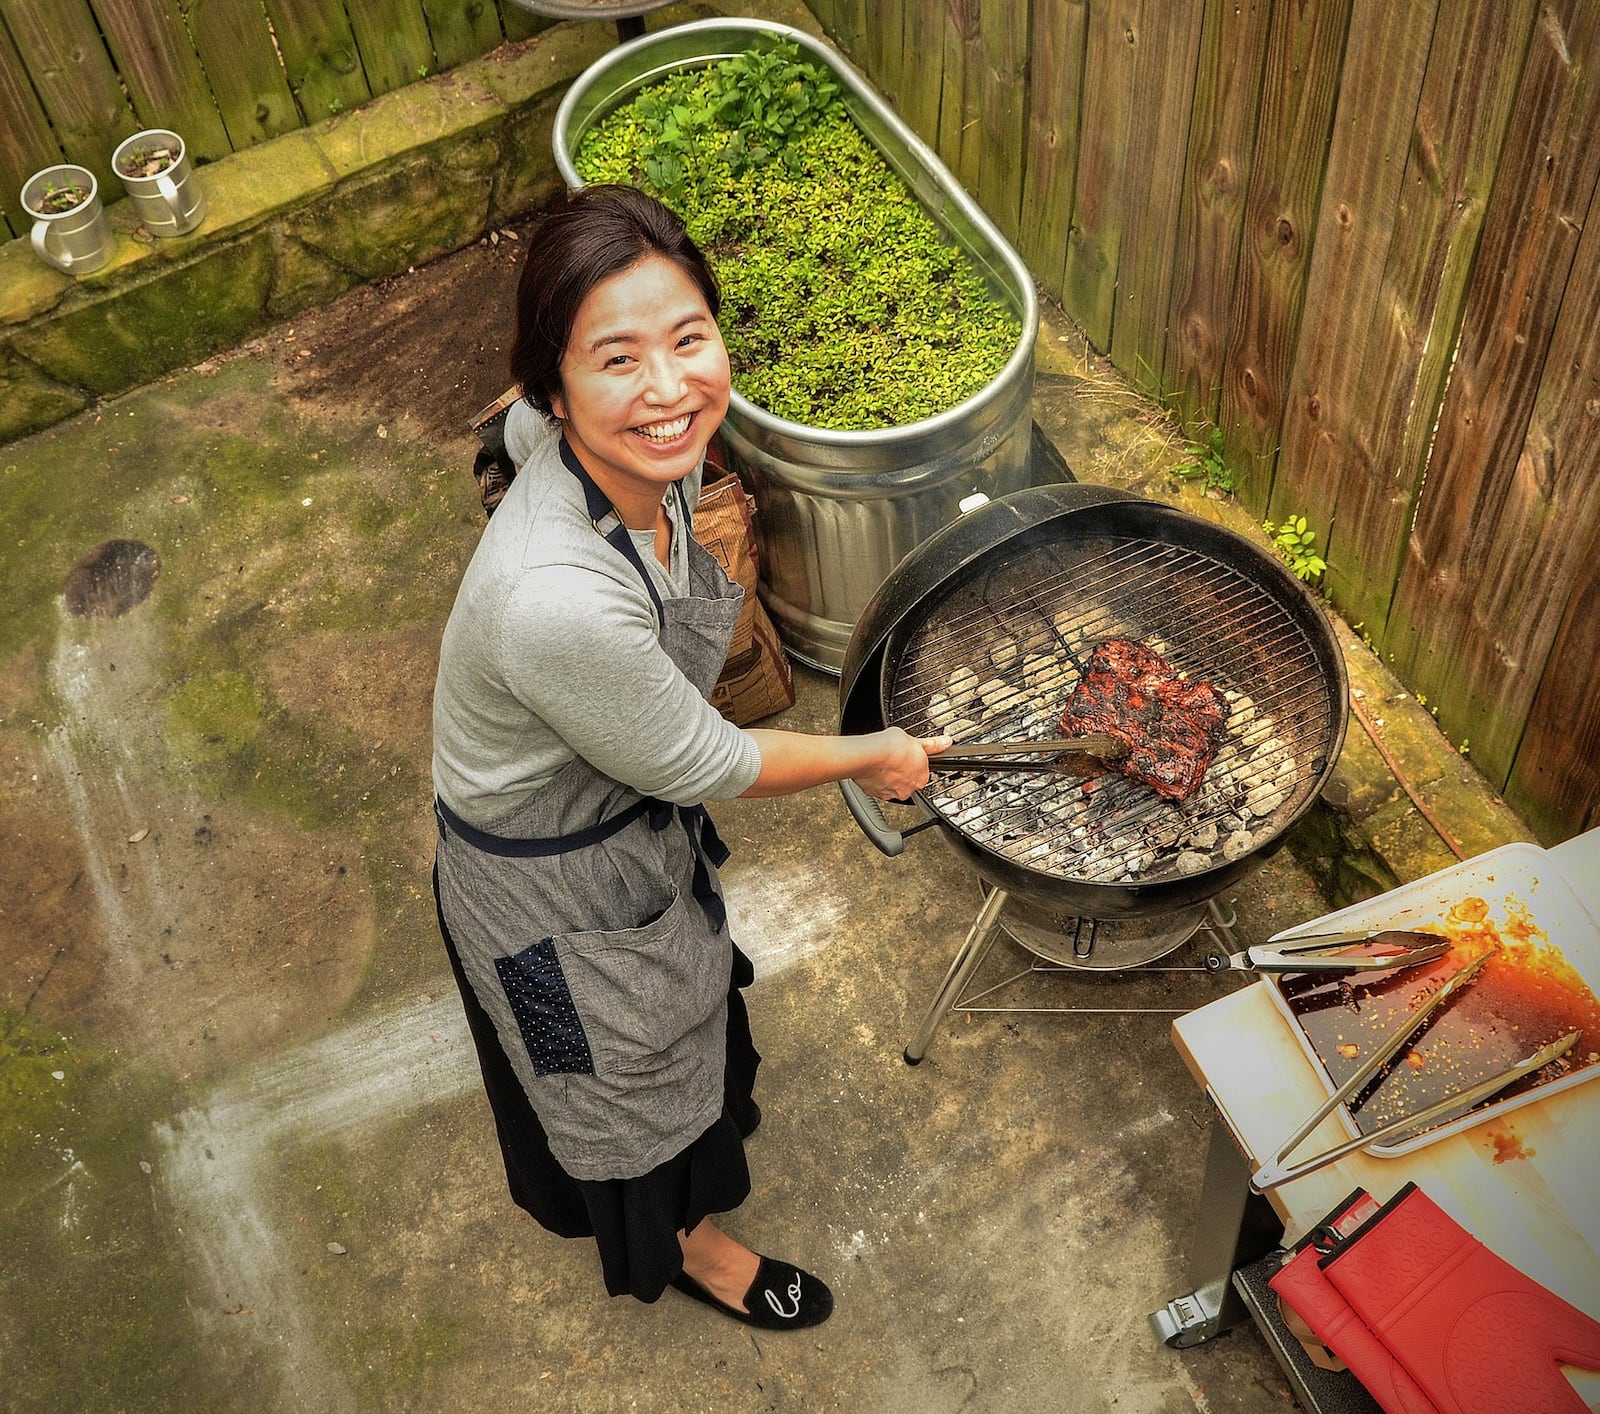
{"x": 576, "y": 873}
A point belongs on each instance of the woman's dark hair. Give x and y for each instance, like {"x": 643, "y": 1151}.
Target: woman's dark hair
{"x": 584, "y": 238}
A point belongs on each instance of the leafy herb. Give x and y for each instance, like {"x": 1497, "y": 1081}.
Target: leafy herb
{"x": 1207, "y": 462}
{"x": 1294, "y": 541}
{"x": 147, "y": 160}
{"x": 59, "y": 197}
{"x": 844, "y": 306}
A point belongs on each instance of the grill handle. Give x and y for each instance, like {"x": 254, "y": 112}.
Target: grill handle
{"x": 874, "y": 823}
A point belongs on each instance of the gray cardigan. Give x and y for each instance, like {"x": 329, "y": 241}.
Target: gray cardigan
{"x": 551, "y": 652}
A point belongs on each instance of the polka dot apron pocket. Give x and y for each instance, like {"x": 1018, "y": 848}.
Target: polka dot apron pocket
{"x": 633, "y": 996}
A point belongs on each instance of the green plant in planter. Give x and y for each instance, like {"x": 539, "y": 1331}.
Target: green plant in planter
{"x": 844, "y": 306}
{"x": 146, "y": 160}
{"x": 58, "y": 197}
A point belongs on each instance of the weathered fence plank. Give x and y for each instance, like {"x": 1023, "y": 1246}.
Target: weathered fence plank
{"x": 1222, "y": 130}
{"x": 1470, "y": 622}
{"x": 952, "y": 88}
{"x": 26, "y": 140}
{"x": 60, "y": 48}
{"x": 969, "y": 141}
{"x": 886, "y": 62}
{"x": 1300, "y": 82}
{"x": 1555, "y": 784}
{"x": 826, "y": 12}
{"x": 1055, "y": 86}
{"x": 1163, "y": 94}
{"x": 461, "y": 29}
{"x": 1386, "y": 55}
{"x": 320, "y": 56}
{"x": 1090, "y": 279}
{"x": 156, "y": 60}
{"x": 392, "y": 39}
{"x": 923, "y": 71}
{"x": 1549, "y": 524}
{"x": 519, "y": 23}
{"x": 241, "y": 64}
{"x": 849, "y": 29}
{"x": 1474, "y": 62}
{"x": 1002, "y": 126}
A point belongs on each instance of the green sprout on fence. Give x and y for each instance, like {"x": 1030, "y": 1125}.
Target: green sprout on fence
{"x": 1294, "y": 541}
{"x": 1206, "y": 461}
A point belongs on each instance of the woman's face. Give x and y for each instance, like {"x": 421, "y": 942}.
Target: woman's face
{"x": 644, "y": 380}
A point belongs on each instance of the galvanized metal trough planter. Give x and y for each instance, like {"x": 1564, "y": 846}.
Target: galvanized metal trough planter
{"x": 838, "y": 510}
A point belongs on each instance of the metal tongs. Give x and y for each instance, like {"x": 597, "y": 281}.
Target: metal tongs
{"x": 1277, "y": 1171}
{"x": 988, "y": 755}
{"x": 1323, "y": 952}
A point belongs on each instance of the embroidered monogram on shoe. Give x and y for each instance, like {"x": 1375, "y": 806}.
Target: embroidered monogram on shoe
{"x": 793, "y": 1299}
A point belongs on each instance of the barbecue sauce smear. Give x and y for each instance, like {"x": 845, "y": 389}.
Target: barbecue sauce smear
{"x": 1526, "y": 996}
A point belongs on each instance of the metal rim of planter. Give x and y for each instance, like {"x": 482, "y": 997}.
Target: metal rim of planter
{"x": 860, "y": 96}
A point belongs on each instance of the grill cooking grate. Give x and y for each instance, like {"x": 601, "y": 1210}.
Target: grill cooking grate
{"x": 998, "y": 657}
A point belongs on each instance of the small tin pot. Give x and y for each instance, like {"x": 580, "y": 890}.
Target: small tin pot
{"x": 77, "y": 239}
{"x": 169, "y": 202}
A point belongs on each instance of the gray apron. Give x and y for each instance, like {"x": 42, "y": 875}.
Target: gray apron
{"x": 591, "y": 927}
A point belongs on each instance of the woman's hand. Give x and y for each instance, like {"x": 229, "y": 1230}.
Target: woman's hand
{"x": 902, "y": 764}
{"x": 889, "y": 764}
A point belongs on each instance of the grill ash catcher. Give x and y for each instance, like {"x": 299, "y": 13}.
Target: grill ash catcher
{"x": 983, "y": 631}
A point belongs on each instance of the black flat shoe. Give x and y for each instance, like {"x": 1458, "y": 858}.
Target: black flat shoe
{"x": 781, "y": 1298}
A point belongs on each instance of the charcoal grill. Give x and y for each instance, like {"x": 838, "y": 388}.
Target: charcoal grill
{"x": 984, "y": 630}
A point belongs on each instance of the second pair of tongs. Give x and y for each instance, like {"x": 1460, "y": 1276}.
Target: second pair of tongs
{"x": 1279, "y": 1171}
{"x": 993, "y": 755}
{"x": 1329, "y": 952}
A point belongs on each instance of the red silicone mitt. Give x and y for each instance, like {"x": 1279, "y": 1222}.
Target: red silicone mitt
{"x": 1477, "y": 1335}
{"x": 1318, "y": 1303}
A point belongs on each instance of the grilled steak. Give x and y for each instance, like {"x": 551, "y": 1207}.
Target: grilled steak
{"x": 1172, "y": 725}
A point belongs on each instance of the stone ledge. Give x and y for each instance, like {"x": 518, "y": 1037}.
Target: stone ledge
{"x": 290, "y": 223}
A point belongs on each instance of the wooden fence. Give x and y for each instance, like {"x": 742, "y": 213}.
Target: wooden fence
{"x": 78, "y": 76}
{"x": 1352, "y": 236}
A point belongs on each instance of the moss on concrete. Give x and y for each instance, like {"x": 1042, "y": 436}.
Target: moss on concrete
{"x": 403, "y": 213}
{"x": 250, "y": 187}
{"x": 174, "y": 314}
{"x": 303, "y": 277}
{"x": 29, "y": 397}
{"x": 415, "y": 119}
{"x": 76, "y": 1204}
{"x": 214, "y": 716}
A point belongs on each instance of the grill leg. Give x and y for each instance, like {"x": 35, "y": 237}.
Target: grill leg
{"x": 1233, "y": 1228}
{"x": 979, "y": 936}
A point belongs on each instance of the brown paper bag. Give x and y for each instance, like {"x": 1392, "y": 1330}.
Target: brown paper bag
{"x": 756, "y": 680}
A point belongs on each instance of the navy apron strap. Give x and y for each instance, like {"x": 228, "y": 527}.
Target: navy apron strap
{"x": 542, "y": 848}
{"x": 619, "y": 537}
{"x": 709, "y": 850}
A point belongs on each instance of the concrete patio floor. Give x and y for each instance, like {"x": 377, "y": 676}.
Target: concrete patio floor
{"x": 244, "y": 1160}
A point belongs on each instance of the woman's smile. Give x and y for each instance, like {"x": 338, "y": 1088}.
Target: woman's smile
{"x": 644, "y": 384}
{"x": 664, "y": 432}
